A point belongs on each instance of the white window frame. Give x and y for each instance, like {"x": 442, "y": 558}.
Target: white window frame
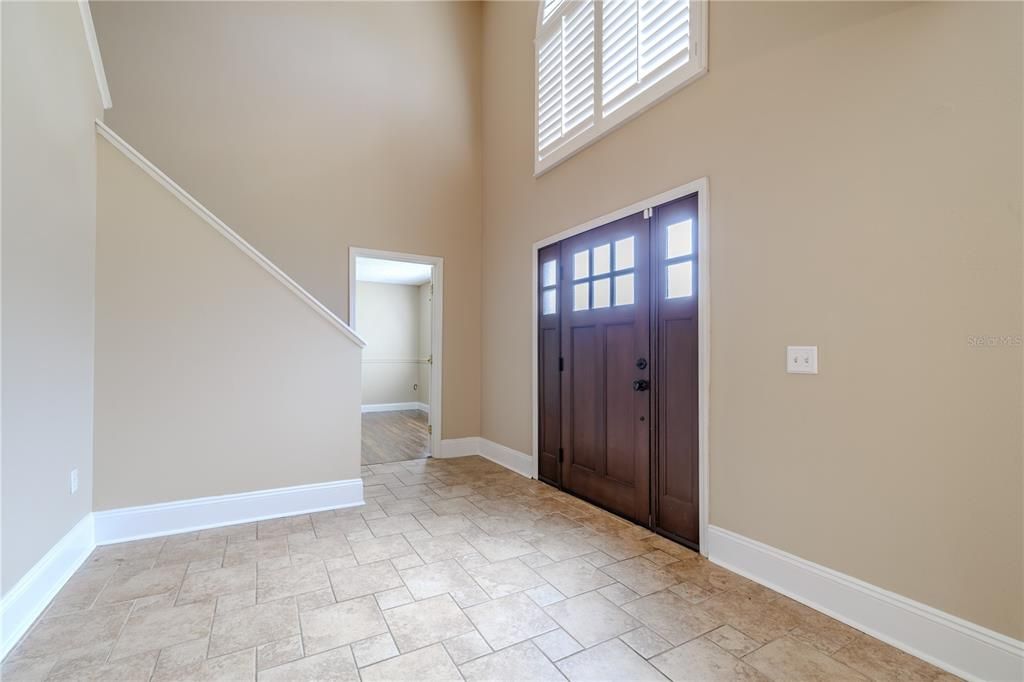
{"x": 643, "y": 100}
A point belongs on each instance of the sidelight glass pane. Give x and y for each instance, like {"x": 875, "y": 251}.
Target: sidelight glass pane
{"x": 581, "y": 264}
{"x": 550, "y": 273}
{"x": 581, "y": 296}
{"x": 624, "y": 254}
{"x": 679, "y": 239}
{"x": 602, "y": 292}
{"x": 679, "y": 280}
{"x": 602, "y": 259}
{"x": 624, "y": 294}
{"x": 550, "y": 301}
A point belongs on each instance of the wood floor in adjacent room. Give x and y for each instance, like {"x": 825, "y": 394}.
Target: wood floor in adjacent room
{"x": 395, "y": 436}
{"x": 453, "y": 569}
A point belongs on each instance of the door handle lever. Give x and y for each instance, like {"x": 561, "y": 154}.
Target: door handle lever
{"x": 641, "y": 385}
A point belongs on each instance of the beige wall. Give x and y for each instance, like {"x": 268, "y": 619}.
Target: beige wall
{"x": 387, "y": 317}
{"x": 211, "y": 376}
{"x": 50, "y": 100}
{"x": 311, "y": 127}
{"x": 866, "y": 197}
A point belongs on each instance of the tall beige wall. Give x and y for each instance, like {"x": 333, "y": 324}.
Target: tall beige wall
{"x": 211, "y": 376}
{"x": 312, "y": 127}
{"x": 388, "y": 317}
{"x": 865, "y": 170}
{"x": 50, "y": 101}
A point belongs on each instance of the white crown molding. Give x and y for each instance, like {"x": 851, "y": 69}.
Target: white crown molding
{"x": 395, "y": 407}
{"x": 513, "y": 460}
{"x": 225, "y": 231}
{"x": 153, "y": 520}
{"x": 951, "y": 643}
{"x": 30, "y": 596}
{"x": 94, "y": 51}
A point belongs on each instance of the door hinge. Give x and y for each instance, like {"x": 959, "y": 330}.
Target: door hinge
{"x": 647, "y": 213}
{"x": 561, "y": 455}
{"x": 561, "y": 364}
{"x": 430, "y": 428}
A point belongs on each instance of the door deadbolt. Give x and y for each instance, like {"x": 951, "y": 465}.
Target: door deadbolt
{"x": 641, "y": 363}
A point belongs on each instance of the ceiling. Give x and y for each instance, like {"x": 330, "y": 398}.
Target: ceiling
{"x": 391, "y": 271}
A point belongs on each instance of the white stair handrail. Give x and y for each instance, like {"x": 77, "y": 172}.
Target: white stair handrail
{"x": 225, "y": 231}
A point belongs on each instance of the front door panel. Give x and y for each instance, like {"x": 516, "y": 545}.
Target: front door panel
{"x": 605, "y": 311}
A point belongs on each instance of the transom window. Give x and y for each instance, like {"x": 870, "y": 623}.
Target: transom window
{"x": 601, "y": 63}
{"x": 604, "y": 276}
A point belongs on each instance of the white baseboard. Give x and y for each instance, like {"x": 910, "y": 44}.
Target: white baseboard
{"x": 954, "y": 644}
{"x": 395, "y": 407}
{"x": 459, "y": 447}
{"x": 32, "y": 594}
{"x": 20, "y": 607}
{"x": 134, "y": 523}
{"x": 518, "y": 462}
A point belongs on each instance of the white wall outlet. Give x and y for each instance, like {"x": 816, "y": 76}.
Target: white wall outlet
{"x": 74, "y": 481}
{"x": 802, "y": 359}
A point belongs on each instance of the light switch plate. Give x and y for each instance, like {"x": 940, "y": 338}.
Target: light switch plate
{"x": 74, "y": 481}
{"x": 802, "y": 359}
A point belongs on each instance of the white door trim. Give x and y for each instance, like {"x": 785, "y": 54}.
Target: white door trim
{"x": 436, "y": 325}
{"x": 700, "y": 186}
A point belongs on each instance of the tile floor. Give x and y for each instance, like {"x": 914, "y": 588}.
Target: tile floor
{"x": 454, "y": 569}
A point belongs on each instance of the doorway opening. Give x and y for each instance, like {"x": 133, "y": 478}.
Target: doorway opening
{"x": 621, "y": 362}
{"x": 395, "y": 305}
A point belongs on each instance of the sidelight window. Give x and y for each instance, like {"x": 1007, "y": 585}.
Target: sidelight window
{"x": 549, "y": 287}
{"x": 679, "y": 260}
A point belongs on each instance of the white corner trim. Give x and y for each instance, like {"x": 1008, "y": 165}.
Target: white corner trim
{"x": 514, "y": 460}
{"x": 94, "y": 52}
{"x": 229, "y": 234}
{"x": 135, "y": 523}
{"x": 954, "y": 644}
{"x": 30, "y": 596}
{"x": 395, "y": 407}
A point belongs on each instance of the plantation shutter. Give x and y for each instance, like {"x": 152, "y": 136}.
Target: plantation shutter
{"x": 642, "y": 42}
{"x": 565, "y": 75}
{"x": 599, "y": 64}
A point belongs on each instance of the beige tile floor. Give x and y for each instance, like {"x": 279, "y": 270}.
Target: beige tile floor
{"x": 454, "y": 569}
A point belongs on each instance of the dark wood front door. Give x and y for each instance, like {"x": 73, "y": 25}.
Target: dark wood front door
{"x": 618, "y": 377}
{"x": 605, "y": 339}
{"x": 676, "y": 482}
